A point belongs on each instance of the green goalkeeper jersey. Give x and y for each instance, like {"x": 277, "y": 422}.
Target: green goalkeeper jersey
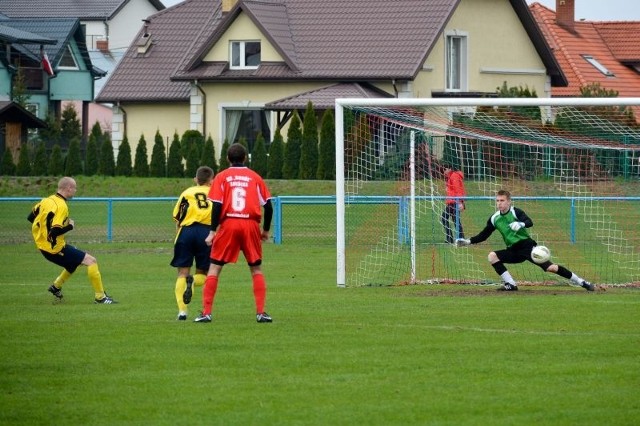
{"x": 501, "y": 222}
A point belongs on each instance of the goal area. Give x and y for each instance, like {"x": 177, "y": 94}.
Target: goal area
{"x": 572, "y": 164}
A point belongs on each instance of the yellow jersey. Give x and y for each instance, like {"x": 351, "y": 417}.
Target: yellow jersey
{"x": 50, "y": 222}
{"x": 193, "y": 206}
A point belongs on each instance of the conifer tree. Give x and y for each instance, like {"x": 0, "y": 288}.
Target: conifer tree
{"x": 309, "y": 148}
{"x": 276, "y": 156}
{"x": 40, "y": 160}
{"x": 140, "y": 164}
{"x": 243, "y": 141}
{"x": 73, "y": 163}
{"x": 327, "y": 148}
{"x": 209, "y": 155}
{"x": 188, "y": 140}
{"x": 107, "y": 163}
{"x": 23, "y": 167}
{"x": 175, "y": 167}
{"x": 7, "y": 167}
{"x": 259, "y": 156}
{"x": 70, "y": 127}
{"x": 158, "y": 167}
{"x": 123, "y": 163}
{"x": 291, "y": 165}
{"x": 193, "y": 161}
{"x": 224, "y": 161}
{"x": 56, "y": 162}
{"x": 51, "y": 134}
{"x": 91, "y": 156}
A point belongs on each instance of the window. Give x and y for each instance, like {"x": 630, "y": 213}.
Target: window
{"x": 245, "y": 54}
{"x": 246, "y": 123}
{"x": 456, "y": 62}
{"x": 593, "y": 61}
{"x": 67, "y": 61}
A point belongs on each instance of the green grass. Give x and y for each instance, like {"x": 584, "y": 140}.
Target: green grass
{"x": 446, "y": 355}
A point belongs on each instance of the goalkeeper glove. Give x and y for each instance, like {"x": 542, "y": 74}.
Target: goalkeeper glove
{"x": 461, "y": 242}
{"x": 516, "y": 226}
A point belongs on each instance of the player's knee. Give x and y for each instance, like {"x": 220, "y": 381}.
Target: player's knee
{"x": 89, "y": 260}
{"x": 493, "y": 257}
{"x": 552, "y": 268}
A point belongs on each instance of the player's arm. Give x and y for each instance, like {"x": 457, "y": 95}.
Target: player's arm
{"x": 216, "y": 211}
{"x": 268, "y": 215}
{"x": 482, "y": 236}
{"x": 522, "y": 217}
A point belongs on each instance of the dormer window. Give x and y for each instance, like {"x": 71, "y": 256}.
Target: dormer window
{"x": 597, "y": 65}
{"x": 244, "y": 54}
{"x": 67, "y": 61}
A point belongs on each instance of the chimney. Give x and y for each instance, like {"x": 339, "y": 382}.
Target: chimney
{"x": 102, "y": 45}
{"x": 566, "y": 14}
{"x": 227, "y": 5}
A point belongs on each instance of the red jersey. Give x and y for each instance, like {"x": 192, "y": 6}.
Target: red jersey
{"x": 455, "y": 186}
{"x": 242, "y": 193}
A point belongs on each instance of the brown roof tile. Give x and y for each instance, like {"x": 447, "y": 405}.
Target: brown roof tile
{"x": 325, "y": 97}
{"x": 622, "y": 38}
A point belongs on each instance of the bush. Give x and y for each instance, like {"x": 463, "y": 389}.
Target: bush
{"x": 140, "y": 165}
{"x": 309, "y": 147}
{"x": 158, "y": 166}
{"x": 107, "y": 164}
{"x": 327, "y": 148}
{"x": 73, "y": 164}
{"x": 40, "y": 160}
{"x": 291, "y": 165}
{"x": 24, "y": 161}
{"x": 276, "y": 156}
{"x": 8, "y": 167}
{"x": 224, "y": 161}
{"x": 174, "y": 163}
{"x": 209, "y": 155}
{"x": 56, "y": 163}
{"x": 91, "y": 155}
{"x": 259, "y": 156}
{"x": 123, "y": 166}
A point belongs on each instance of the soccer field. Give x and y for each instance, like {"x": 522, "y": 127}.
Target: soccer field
{"x": 412, "y": 355}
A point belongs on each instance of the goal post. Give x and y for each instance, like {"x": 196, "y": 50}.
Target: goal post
{"x": 573, "y": 164}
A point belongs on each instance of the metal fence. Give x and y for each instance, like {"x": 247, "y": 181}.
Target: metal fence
{"x": 303, "y": 219}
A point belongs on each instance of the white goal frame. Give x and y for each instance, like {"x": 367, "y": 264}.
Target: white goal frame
{"x": 426, "y": 102}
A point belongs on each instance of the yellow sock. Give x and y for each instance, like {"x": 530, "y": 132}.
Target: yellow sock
{"x": 198, "y": 279}
{"x": 96, "y": 280}
{"x": 181, "y": 286}
{"x": 64, "y": 276}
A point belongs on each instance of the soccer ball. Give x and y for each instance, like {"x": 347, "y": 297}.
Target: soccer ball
{"x": 540, "y": 254}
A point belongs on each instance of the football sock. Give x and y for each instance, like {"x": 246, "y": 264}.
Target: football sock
{"x": 198, "y": 279}
{"x": 62, "y": 278}
{"x": 259, "y": 291}
{"x": 506, "y": 276}
{"x": 576, "y": 279}
{"x": 96, "y": 280}
{"x": 208, "y": 293}
{"x": 181, "y": 286}
{"x": 565, "y": 273}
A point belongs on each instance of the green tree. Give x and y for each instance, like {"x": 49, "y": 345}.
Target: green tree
{"x": 70, "y": 125}
{"x": 224, "y": 161}
{"x": 40, "y": 160}
{"x": 209, "y": 155}
{"x": 276, "y": 156}
{"x": 327, "y": 148}
{"x": 193, "y": 161}
{"x": 56, "y": 162}
{"x": 530, "y": 112}
{"x": 189, "y": 139}
{"x": 140, "y": 164}
{"x": 19, "y": 93}
{"x": 51, "y": 134}
{"x": 8, "y": 167}
{"x": 107, "y": 163}
{"x": 174, "y": 163}
{"x": 73, "y": 163}
{"x": 291, "y": 165}
{"x": 158, "y": 167}
{"x": 123, "y": 165}
{"x": 91, "y": 156}
{"x": 23, "y": 167}
{"x": 309, "y": 147}
{"x": 259, "y": 156}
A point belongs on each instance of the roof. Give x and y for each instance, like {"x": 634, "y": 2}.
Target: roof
{"x": 570, "y": 49}
{"x": 85, "y": 10}
{"x": 13, "y": 35}
{"x": 12, "y": 112}
{"x": 329, "y": 40}
{"x": 62, "y": 30}
{"x": 325, "y": 97}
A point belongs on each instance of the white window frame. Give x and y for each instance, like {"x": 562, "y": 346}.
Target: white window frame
{"x": 463, "y": 61}
{"x": 241, "y": 53}
{"x": 69, "y": 52}
{"x": 597, "y": 65}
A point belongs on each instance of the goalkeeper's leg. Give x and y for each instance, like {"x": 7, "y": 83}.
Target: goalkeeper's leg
{"x": 565, "y": 273}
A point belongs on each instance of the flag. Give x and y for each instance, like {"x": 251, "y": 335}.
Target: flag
{"x": 46, "y": 65}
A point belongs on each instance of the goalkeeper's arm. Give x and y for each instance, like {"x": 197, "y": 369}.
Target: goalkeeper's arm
{"x": 482, "y": 236}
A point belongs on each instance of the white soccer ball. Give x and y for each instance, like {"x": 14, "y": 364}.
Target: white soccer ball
{"x": 540, "y": 254}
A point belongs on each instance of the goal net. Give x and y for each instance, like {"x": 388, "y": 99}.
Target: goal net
{"x": 573, "y": 165}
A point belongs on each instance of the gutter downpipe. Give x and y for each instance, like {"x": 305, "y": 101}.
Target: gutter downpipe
{"x": 204, "y": 109}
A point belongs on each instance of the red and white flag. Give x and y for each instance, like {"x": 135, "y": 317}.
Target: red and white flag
{"x": 46, "y": 65}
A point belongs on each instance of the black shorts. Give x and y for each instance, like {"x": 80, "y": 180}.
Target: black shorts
{"x": 520, "y": 252}
{"x": 190, "y": 245}
{"x": 69, "y": 258}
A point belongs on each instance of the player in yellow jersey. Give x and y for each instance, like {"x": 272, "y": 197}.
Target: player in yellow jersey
{"x": 49, "y": 223}
{"x": 192, "y": 214}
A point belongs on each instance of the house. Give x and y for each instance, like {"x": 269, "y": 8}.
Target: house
{"x": 240, "y": 66}
{"x": 15, "y": 122}
{"x": 109, "y": 27}
{"x": 588, "y": 52}
{"x": 68, "y": 74}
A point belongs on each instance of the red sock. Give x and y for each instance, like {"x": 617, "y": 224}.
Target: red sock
{"x": 208, "y": 293}
{"x": 259, "y": 291}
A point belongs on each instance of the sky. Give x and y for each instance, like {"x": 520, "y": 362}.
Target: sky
{"x": 591, "y": 10}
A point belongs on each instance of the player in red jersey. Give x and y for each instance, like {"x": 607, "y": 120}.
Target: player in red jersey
{"x": 238, "y": 195}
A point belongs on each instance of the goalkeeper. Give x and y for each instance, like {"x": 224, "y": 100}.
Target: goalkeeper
{"x": 512, "y": 222}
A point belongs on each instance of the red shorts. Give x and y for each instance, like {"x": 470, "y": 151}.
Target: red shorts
{"x": 234, "y": 235}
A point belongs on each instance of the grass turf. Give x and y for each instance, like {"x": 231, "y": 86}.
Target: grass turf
{"x": 448, "y": 355}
